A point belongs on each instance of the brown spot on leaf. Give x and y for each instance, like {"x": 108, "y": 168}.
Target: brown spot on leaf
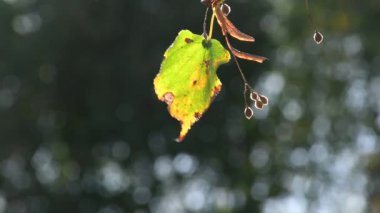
{"x": 188, "y": 40}
{"x": 216, "y": 90}
{"x": 207, "y": 63}
{"x": 194, "y": 83}
{"x": 197, "y": 115}
{"x": 168, "y": 98}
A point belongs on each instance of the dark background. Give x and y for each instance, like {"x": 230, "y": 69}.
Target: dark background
{"x": 82, "y": 131}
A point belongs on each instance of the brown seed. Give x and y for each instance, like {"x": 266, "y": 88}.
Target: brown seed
{"x": 168, "y": 98}
{"x": 207, "y": 3}
{"x": 254, "y": 96}
{"x": 226, "y": 9}
{"x": 318, "y": 37}
{"x": 264, "y": 99}
{"x": 248, "y": 112}
{"x": 259, "y": 104}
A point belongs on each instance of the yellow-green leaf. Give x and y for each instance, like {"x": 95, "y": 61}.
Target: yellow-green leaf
{"x": 187, "y": 80}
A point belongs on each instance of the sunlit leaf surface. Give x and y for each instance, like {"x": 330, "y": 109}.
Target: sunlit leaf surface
{"x": 187, "y": 80}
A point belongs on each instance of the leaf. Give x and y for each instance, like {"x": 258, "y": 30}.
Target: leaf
{"x": 228, "y": 27}
{"x": 244, "y": 55}
{"x": 187, "y": 80}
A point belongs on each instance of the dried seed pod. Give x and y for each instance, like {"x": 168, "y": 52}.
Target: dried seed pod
{"x": 264, "y": 99}
{"x": 254, "y": 96}
{"x": 225, "y": 8}
{"x": 318, "y": 37}
{"x": 207, "y": 3}
{"x": 248, "y": 112}
{"x": 259, "y": 104}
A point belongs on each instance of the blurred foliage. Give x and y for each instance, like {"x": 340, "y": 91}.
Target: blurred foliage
{"x": 81, "y": 129}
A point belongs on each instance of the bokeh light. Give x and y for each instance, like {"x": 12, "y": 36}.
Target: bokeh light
{"x": 81, "y": 129}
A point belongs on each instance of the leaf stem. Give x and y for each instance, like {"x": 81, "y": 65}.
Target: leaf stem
{"x": 211, "y": 26}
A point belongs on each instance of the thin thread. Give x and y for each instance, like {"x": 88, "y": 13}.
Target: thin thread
{"x": 246, "y": 84}
{"x": 205, "y": 23}
{"x": 309, "y": 14}
{"x": 236, "y": 61}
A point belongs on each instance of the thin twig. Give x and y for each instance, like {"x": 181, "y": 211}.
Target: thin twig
{"x": 246, "y": 84}
{"x": 205, "y": 24}
{"x": 237, "y": 63}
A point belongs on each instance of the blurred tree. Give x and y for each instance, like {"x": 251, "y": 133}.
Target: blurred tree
{"x": 81, "y": 130}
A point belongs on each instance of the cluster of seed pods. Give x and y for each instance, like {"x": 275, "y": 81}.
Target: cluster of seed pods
{"x": 221, "y": 13}
{"x": 255, "y": 99}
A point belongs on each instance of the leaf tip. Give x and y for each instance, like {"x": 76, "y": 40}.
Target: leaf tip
{"x": 261, "y": 59}
{"x": 179, "y": 139}
{"x": 185, "y": 127}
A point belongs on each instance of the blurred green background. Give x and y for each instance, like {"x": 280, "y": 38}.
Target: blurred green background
{"x": 82, "y": 131}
